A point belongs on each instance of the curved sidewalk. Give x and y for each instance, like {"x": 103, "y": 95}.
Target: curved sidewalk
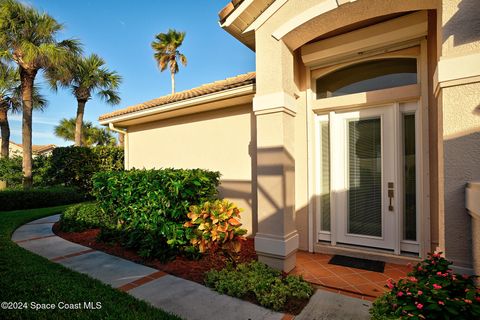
{"x": 182, "y": 297}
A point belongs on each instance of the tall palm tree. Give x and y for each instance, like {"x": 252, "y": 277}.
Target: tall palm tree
{"x": 91, "y": 135}
{"x": 86, "y": 76}
{"x": 28, "y": 37}
{"x": 166, "y": 52}
{"x": 11, "y": 100}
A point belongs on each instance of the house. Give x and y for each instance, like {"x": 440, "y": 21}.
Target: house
{"x": 42, "y": 150}
{"x": 356, "y": 135}
{"x": 16, "y": 149}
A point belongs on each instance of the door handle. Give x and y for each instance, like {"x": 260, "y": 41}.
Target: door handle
{"x": 390, "y": 196}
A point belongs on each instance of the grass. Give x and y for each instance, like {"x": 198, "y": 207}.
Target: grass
{"x": 26, "y": 277}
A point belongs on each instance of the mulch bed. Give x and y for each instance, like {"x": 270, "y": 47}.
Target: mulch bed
{"x": 182, "y": 267}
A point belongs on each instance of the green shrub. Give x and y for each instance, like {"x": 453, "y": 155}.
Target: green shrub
{"x": 149, "y": 207}
{"x": 216, "y": 226}
{"x": 81, "y": 217}
{"x": 431, "y": 291}
{"x": 11, "y": 171}
{"x": 267, "y": 285}
{"x": 75, "y": 166}
{"x": 17, "y": 199}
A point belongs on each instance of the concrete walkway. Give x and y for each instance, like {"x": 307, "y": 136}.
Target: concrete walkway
{"x": 185, "y": 298}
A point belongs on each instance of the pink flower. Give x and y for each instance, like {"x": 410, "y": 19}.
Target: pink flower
{"x": 413, "y": 279}
{"x": 467, "y": 301}
{"x": 409, "y": 293}
{"x": 390, "y": 284}
{"x": 419, "y": 306}
{"x": 436, "y": 255}
{"x": 439, "y": 273}
{"x": 436, "y": 286}
{"x": 464, "y": 276}
{"x": 420, "y": 268}
{"x": 420, "y": 292}
{"x": 441, "y": 303}
{"x": 399, "y": 294}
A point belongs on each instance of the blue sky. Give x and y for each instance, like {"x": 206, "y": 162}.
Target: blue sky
{"x": 121, "y": 31}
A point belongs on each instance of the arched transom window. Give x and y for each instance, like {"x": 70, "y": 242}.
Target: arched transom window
{"x": 368, "y": 76}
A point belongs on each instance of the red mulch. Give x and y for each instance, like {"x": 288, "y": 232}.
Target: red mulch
{"x": 182, "y": 267}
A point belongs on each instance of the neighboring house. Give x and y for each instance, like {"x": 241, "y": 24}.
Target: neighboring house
{"x": 42, "y": 150}
{"x": 14, "y": 149}
{"x": 356, "y": 135}
{"x": 17, "y": 149}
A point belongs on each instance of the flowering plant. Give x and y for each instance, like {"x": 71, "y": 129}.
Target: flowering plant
{"x": 216, "y": 226}
{"x": 430, "y": 291}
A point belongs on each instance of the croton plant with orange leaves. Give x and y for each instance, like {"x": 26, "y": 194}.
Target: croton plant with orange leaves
{"x": 216, "y": 226}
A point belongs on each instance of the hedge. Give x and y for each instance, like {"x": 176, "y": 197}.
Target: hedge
{"x": 81, "y": 217}
{"x": 11, "y": 170}
{"x": 66, "y": 166}
{"x": 75, "y": 166}
{"x": 149, "y": 207}
{"x": 18, "y": 199}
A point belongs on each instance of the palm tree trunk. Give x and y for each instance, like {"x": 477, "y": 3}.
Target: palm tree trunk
{"x": 27, "y": 77}
{"x": 79, "y": 122}
{"x": 172, "y": 75}
{"x": 5, "y": 131}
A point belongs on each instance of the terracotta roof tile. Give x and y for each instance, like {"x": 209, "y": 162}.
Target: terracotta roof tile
{"x": 41, "y": 148}
{"x": 213, "y": 87}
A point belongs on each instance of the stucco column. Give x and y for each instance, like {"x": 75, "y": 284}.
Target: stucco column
{"x": 458, "y": 87}
{"x": 276, "y": 241}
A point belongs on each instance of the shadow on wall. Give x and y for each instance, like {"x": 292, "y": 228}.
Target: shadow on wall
{"x": 462, "y": 165}
{"x": 240, "y": 192}
{"x": 464, "y": 25}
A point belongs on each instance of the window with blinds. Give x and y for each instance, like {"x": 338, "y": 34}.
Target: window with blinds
{"x": 325, "y": 176}
{"x": 364, "y": 177}
{"x": 409, "y": 179}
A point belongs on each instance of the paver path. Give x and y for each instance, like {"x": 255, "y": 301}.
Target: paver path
{"x": 185, "y": 298}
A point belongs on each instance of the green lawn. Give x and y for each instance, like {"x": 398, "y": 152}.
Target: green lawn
{"x": 26, "y": 277}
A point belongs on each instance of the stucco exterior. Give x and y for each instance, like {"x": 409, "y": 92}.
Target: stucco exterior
{"x": 270, "y": 166}
{"x": 219, "y": 140}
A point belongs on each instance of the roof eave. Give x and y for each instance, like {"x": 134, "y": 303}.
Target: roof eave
{"x": 245, "y": 90}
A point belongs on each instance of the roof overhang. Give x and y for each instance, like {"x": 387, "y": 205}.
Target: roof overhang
{"x": 241, "y": 18}
{"x": 218, "y": 100}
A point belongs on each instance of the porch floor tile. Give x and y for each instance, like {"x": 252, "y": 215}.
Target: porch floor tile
{"x": 358, "y": 283}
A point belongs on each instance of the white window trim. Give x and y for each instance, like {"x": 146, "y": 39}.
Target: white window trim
{"x": 417, "y": 92}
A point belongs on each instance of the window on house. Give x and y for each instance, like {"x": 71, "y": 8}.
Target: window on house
{"x": 368, "y": 76}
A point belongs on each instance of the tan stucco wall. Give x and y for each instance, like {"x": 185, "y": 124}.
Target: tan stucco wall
{"x": 459, "y": 35}
{"x": 461, "y": 147}
{"x": 221, "y": 140}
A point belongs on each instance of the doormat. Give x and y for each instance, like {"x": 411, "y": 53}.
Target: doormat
{"x": 364, "y": 264}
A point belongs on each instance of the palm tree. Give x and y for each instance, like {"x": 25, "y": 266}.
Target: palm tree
{"x": 28, "y": 37}
{"x": 86, "y": 76}
{"x": 166, "y": 52}
{"x": 11, "y": 100}
{"x": 91, "y": 135}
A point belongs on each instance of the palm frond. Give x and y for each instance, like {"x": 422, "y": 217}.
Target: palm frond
{"x": 165, "y": 47}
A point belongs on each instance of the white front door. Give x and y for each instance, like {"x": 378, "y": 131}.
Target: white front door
{"x": 364, "y": 179}
{"x": 367, "y": 177}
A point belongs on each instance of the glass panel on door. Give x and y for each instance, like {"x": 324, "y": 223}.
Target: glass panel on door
{"x": 364, "y": 177}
